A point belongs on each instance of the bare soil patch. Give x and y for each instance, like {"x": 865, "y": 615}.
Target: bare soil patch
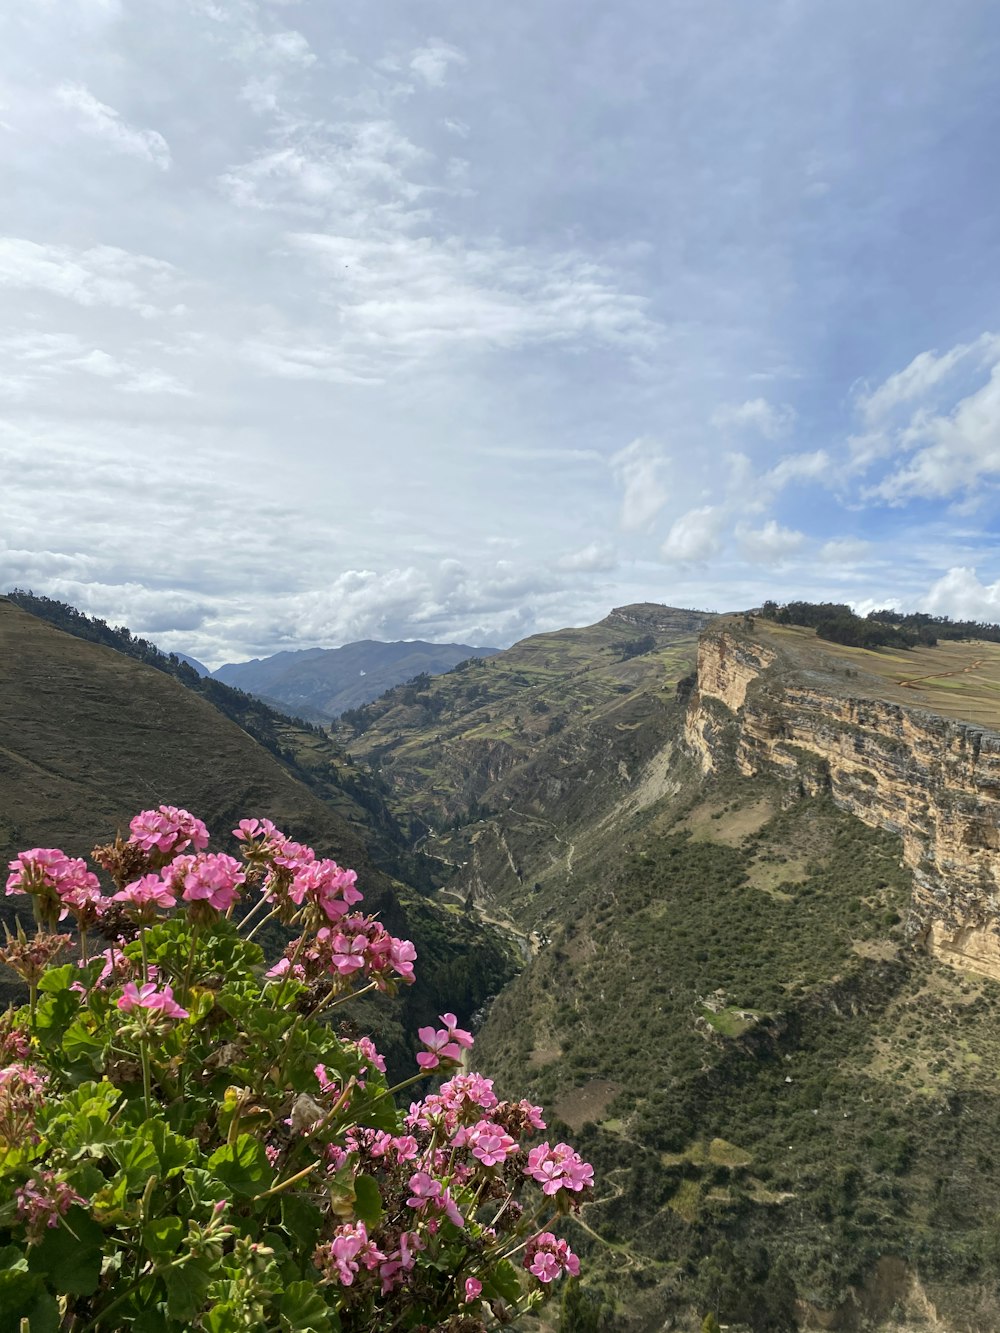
{"x": 588, "y": 1102}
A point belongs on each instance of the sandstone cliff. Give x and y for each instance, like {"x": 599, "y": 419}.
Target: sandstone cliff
{"x": 933, "y": 780}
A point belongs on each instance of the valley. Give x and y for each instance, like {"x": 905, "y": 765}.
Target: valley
{"x": 747, "y": 881}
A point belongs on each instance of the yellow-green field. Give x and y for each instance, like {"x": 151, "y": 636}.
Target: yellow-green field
{"x": 956, "y": 679}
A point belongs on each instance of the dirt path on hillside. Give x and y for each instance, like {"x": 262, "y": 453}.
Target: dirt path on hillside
{"x": 911, "y": 682}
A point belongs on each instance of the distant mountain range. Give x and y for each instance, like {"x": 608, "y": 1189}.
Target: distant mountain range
{"x": 321, "y": 683}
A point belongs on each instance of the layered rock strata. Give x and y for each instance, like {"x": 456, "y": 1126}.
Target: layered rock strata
{"x": 932, "y": 780}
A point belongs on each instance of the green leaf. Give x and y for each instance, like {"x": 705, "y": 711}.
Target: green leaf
{"x": 172, "y": 1151}
{"x": 187, "y": 1288}
{"x": 302, "y": 1220}
{"x": 151, "y": 1321}
{"x": 303, "y": 1309}
{"x": 139, "y": 1160}
{"x": 54, "y": 1015}
{"x": 162, "y": 1236}
{"x": 23, "y": 1296}
{"x": 367, "y": 1200}
{"x": 80, "y": 1045}
{"x": 58, "y": 979}
{"x": 504, "y": 1282}
{"x": 70, "y": 1254}
{"x": 242, "y": 1166}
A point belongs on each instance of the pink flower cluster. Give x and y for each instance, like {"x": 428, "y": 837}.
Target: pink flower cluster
{"x": 42, "y": 1201}
{"x": 444, "y": 1046}
{"x": 211, "y": 877}
{"x": 58, "y": 880}
{"x": 426, "y": 1192}
{"x": 160, "y": 1002}
{"x": 327, "y": 885}
{"x": 547, "y": 1257}
{"x": 558, "y": 1168}
{"x": 351, "y": 1249}
{"x": 360, "y": 946}
{"x": 164, "y": 832}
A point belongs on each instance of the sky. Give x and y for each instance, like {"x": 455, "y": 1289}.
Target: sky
{"x": 323, "y": 320}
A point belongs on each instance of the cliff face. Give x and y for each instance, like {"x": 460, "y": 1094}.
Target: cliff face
{"x": 932, "y": 780}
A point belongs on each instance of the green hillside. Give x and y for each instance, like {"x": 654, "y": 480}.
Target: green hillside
{"x": 91, "y": 735}
{"x": 792, "y": 1111}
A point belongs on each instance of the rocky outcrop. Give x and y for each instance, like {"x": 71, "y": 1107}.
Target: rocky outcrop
{"x": 651, "y": 618}
{"x": 932, "y": 780}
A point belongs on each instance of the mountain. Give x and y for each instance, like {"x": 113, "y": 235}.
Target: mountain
{"x": 754, "y": 877}
{"x": 90, "y": 735}
{"x": 193, "y": 663}
{"x": 321, "y": 683}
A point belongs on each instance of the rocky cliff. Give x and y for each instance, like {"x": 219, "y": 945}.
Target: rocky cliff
{"x": 931, "y": 779}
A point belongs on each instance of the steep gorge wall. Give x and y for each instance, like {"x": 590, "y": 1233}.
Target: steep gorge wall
{"x": 932, "y": 780}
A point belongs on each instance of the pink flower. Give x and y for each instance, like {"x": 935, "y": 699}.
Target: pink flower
{"x": 145, "y": 895}
{"x": 166, "y": 831}
{"x": 405, "y": 1147}
{"x": 263, "y": 840}
{"x": 558, "y": 1168}
{"x": 546, "y": 1257}
{"x": 366, "y": 1048}
{"x": 423, "y": 1189}
{"x": 441, "y": 1048}
{"x": 42, "y": 1201}
{"x": 327, "y": 885}
{"x": 473, "y": 1288}
{"x": 115, "y": 963}
{"x": 428, "y": 1193}
{"x": 211, "y": 877}
{"x": 455, "y": 1033}
{"x": 148, "y": 997}
{"x": 489, "y": 1143}
{"x": 283, "y": 967}
{"x": 35, "y": 870}
{"x": 59, "y": 881}
{"x": 347, "y": 1252}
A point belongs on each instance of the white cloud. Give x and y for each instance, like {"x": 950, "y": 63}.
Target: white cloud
{"x": 100, "y": 276}
{"x": 695, "y": 536}
{"x": 639, "y": 469}
{"x": 925, "y": 373}
{"x": 598, "y": 557}
{"x": 433, "y": 61}
{"x": 960, "y": 594}
{"x": 407, "y": 297}
{"x": 770, "y": 545}
{"x": 951, "y": 453}
{"x": 844, "y": 551}
{"x": 36, "y": 360}
{"x": 104, "y": 122}
{"x": 758, "y": 414}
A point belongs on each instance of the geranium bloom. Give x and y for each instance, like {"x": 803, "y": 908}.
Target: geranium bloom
{"x": 428, "y": 1193}
{"x": 327, "y": 885}
{"x": 42, "y": 1201}
{"x": 547, "y": 1257}
{"x": 444, "y": 1045}
{"x": 473, "y": 1289}
{"x": 36, "y": 869}
{"x": 58, "y": 880}
{"x": 489, "y": 1143}
{"x": 145, "y": 895}
{"x": 349, "y": 1249}
{"x": 211, "y": 877}
{"x": 558, "y": 1168}
{"x": 263, "y": 840}
{"x": 148, "y": 997}
{"x": 166, "y": 831}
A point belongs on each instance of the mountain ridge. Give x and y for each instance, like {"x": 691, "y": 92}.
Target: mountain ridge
{"x": 329, "y": 681}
